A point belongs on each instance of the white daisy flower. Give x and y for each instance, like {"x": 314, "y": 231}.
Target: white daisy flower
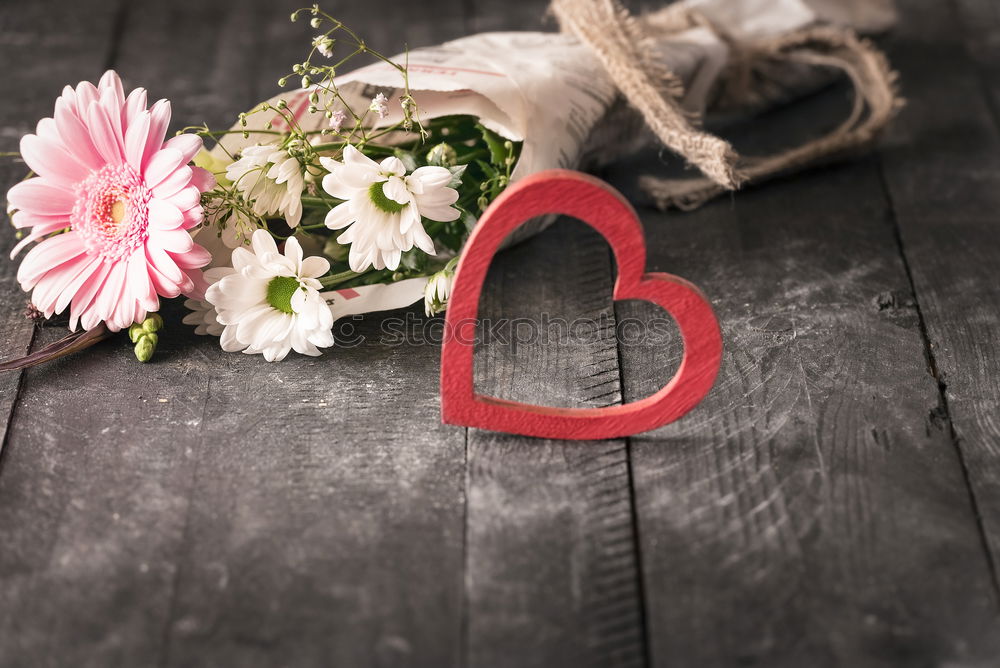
{"x": 203, "y": 315}
{"x": 383, "y": 207}
{"x": 271, "y": 180}
{"x": 270, "y": 303}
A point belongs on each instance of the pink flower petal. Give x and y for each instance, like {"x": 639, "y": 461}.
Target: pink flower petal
{"x": 163, "y": 215}
{"x": 135, "y": 104}
{"x": 159, "y": 119}
{"x": 103, "y": 135}
{"x": 123, "y": 313}
{"x": 86, "y": 94}
{"x": 20, "y": 245}
{"x": 74, "y": 134}
{"x": 52, "y": 161}
{"x": 187, "y": 144}
{"x": 173, "y": 184}
{"x": 22, "y": 219}
{"x": 161, "y": 166}
{"x": 163, "y": 285}
{"x": 164, "y": 264}
{"x": 135, "y": 140}
{"x": 111, "y": 81}
{"x": 108, "y": 298}
{"x": 113, "y": 110}
{"x": 51, "y": 286}
{"x": 47, "y": 129}
{"x": 70, "y": 290}
{"x": 175, "y": 241}
{"x": 187, "y": 199}
{"x": 202, "y": 179}
{"x": 198, "y": 284}
{"x": 67, "y": 98}
{"x": 196, "y": 258}
{"x": 192, "y": 217}
{"x": 80, "y": 306}
{"x": 48, "y": 254}
{"x": 39, "y": 195}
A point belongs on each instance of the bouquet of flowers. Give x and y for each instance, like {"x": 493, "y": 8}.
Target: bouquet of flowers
{"x": 355, "y": 192}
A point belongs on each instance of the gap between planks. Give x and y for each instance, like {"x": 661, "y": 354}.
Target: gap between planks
{"x": 942, "y": 386}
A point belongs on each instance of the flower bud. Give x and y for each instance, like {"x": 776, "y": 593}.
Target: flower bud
{"x": 145, "y": 347}
{"x": 306, "y": 81}
{"x": 153, "y": 323}
{"x": 442, "y": 155}
{"x": 438, "y": 289}
{"x": 315, "y": 23}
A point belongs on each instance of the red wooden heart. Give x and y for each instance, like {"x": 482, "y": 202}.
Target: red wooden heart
{"x": 600, "y": 206}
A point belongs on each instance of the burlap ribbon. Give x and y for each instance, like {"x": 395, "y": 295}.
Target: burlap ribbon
{"x": 622, "y": 42}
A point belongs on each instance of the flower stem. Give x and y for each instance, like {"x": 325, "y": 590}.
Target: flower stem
{"x": 319, "y": 201}
{"x": 337, "y": 279}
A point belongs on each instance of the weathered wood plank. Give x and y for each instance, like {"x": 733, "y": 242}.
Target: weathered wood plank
{"x": 94, "y": 486}
{"x": 212, "y": 508}
{"x": 16, "y": 331}
{"x": 30, "y": 84}
{"x": 942, "y": 169}
{"x": 552, "y": 572}
{"x": 813, "y": 510}
{"x": 44, "y": 46}
{"x": 325, "y": 521}
{"x": 552, "y": 577}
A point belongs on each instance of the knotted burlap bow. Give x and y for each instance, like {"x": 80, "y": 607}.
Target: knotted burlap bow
{"x": 623, "y": 43}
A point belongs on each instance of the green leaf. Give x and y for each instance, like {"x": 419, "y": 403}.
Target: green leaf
{"x": 498, "y": 153}
{"x": 408, "y": 159}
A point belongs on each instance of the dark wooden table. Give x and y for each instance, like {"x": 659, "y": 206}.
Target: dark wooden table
{"x": 834, "y": 502}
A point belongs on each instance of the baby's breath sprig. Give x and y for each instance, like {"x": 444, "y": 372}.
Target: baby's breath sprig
{"x": 293, "y": 163}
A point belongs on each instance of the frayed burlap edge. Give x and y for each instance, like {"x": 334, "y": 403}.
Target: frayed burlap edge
{"x": 621, "y": 41}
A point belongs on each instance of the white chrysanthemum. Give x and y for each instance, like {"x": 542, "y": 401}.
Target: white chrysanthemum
{"x": 203, "y": 315}
{"x": 383, "y": 207}
{"x": 271, "y": 180}
{"x": 271, "y": 304}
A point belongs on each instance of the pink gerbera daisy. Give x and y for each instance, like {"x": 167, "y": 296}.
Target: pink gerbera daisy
{"x": 111, "y": 208}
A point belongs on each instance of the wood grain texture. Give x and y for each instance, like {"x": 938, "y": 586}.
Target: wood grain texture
{"x": 212, "y": 509}
{"x": 32, "y": 502}
{"x": 330, "y": 531}
{"x": 82, "y": 36}
{"x": 552, "y": 572}
{"x": 551, "y": 569}
{"x": 812, "y": 511}
{"x": 941, "y": 165}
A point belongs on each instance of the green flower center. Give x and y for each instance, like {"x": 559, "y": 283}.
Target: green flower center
{"x": 280, "y": 291}
{"x": 377, "y": 195}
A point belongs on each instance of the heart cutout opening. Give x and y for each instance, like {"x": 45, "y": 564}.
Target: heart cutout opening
{"x": 549, "y": 332}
